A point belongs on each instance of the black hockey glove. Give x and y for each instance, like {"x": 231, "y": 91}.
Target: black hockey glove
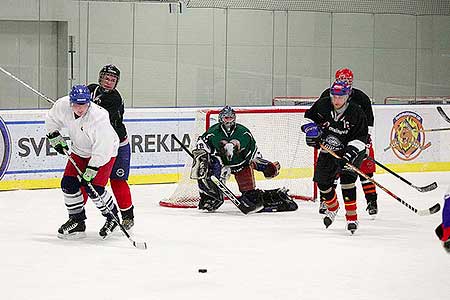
{"x": 349, "y": 156}
{"x": 57, "y": 141}
{"x": 88, "y": 175}
{"x": 313, "y": 134}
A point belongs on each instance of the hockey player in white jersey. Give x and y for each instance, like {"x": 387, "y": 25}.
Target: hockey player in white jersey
{"x": 94, "y": 145}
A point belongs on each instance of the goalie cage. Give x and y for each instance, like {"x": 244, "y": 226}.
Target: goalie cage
{"x": 278, "y": 137}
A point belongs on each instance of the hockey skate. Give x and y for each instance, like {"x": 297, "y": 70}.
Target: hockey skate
{"x": 322, "y": 207}
{"x": 109, "y": 227}
{"x": 352, "y": 226}
{"x": 329, "y": 217}
{"x": 72, "y": 230}
{"x": 446, "y": 245}
{"x": 372, "y": 208}
{"x": 128, "y": 223}
{"x": 127, "y": 218}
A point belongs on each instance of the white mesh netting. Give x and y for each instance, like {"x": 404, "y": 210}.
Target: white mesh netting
{"x": 279, "y": 138}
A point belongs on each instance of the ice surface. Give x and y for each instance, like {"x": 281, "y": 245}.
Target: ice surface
{"x": 260, "y": 256}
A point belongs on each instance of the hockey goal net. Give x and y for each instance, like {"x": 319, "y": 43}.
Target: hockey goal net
{"x": 278, "y": 137}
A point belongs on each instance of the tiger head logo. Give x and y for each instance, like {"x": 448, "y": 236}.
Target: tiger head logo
{"x": 407, "y": 138}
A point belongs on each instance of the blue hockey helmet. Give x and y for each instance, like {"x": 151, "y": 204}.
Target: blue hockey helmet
{"x": 227, "y": 118}
{"x": 80, "y": 94}
{"x": 340, "y": 88}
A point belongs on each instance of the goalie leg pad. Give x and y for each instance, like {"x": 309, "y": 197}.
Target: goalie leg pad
{"x": 269, "y": 169}
{"x": 211, "y": 198}
{"x": 278, "y": 200}
{"x": 200, "y": 165}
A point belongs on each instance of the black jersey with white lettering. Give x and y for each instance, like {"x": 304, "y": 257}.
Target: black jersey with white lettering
{"x": 350, "y": 125}
{"x": 360, "y": 98}
{"x": 113, "y": 103}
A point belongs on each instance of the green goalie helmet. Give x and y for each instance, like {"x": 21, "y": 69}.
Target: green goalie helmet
{"x": 227, "y": 118}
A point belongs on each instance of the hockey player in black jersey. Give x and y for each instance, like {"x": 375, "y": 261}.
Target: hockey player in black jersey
{"x": 106, "y": 95}
{"x": 341, "y": 126}
{"x": 367, "y": 166}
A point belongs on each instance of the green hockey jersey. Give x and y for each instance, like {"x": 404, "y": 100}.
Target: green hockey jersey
{"x": 242, "y": 139}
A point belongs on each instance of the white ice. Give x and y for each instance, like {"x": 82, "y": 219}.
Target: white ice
{"x": 261, "y": 256}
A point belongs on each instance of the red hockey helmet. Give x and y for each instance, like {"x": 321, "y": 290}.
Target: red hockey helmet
{"x": 344, "y": 74}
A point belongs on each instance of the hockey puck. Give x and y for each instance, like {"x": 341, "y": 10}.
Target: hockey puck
{"x": 202, "y": 270}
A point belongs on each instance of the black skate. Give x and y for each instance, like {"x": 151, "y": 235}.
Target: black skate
{"x": 72, "y": 230}
{"x": 447, "y": 246}
{"x": 127, "y": 218}
{"x": 372, "y": 208}
{"x": 322, "y": 207}
{"x": 109, "y": 227}
{"x": 329, "y": 217}
{"x": 352, "y": 226}
{"x": 127, "y": 223}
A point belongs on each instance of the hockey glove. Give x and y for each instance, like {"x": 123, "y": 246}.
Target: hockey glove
{"x": 269, "y": 169}
{"x": 88, "y": 175}
{"x": 349, "y": 156}
{"x": 313, "y": 134}
{"x": 57, "y": 141}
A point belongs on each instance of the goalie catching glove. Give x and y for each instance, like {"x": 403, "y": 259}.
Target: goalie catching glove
{"x": 58, "y": 143}
{"x": 313, "y": 134}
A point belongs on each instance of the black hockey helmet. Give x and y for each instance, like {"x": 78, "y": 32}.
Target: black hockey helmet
{"x": 109, "y": 70}
{"x": 227, "y": 118}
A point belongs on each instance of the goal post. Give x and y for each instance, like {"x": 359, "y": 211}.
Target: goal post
{"x": 278, "y": 138}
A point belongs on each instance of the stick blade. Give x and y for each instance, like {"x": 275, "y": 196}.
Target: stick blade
{"x": 427, "y": 188}
{"x": 443, "y": 114}
{"x": 140, "y": 245}
{"x": 432, "y": 210}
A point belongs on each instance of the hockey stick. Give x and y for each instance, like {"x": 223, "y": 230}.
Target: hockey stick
{"x": 138, "y": 245}
{"x": 28, "y": 86}
{"x": 422, "y": 189}
{"x": 434, "y": 209}
{"x": 443, "y": 114}
{"x": 242, "y": 206}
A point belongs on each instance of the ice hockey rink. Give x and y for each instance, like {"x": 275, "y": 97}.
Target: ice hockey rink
{"x": 260, "y": 256}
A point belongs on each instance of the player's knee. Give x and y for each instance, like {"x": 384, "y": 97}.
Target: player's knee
{"x": 70, "y": 185}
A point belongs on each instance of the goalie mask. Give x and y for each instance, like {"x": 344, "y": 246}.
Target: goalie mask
{"x": 227, "y": 119}
{"x": 108, "y": 77}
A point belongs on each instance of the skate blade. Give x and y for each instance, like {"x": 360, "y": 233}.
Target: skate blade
{"x": 72, "y": 236}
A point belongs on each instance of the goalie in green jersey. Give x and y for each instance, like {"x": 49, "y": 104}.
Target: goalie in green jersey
{"x": 229, "y": 148}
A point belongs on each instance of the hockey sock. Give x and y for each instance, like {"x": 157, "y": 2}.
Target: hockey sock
{"x": 330, "y": 198}
{"x": 349, "y": 194}
{"x": 369, "y": 189}
{"x": 121, "y": 191}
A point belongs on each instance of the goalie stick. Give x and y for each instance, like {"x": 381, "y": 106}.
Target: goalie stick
{"x": 424, "y": 212}
{"x": 422, "y": 189}
{"x": 138, "y": 245}
{"x": 242, "y": 206}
